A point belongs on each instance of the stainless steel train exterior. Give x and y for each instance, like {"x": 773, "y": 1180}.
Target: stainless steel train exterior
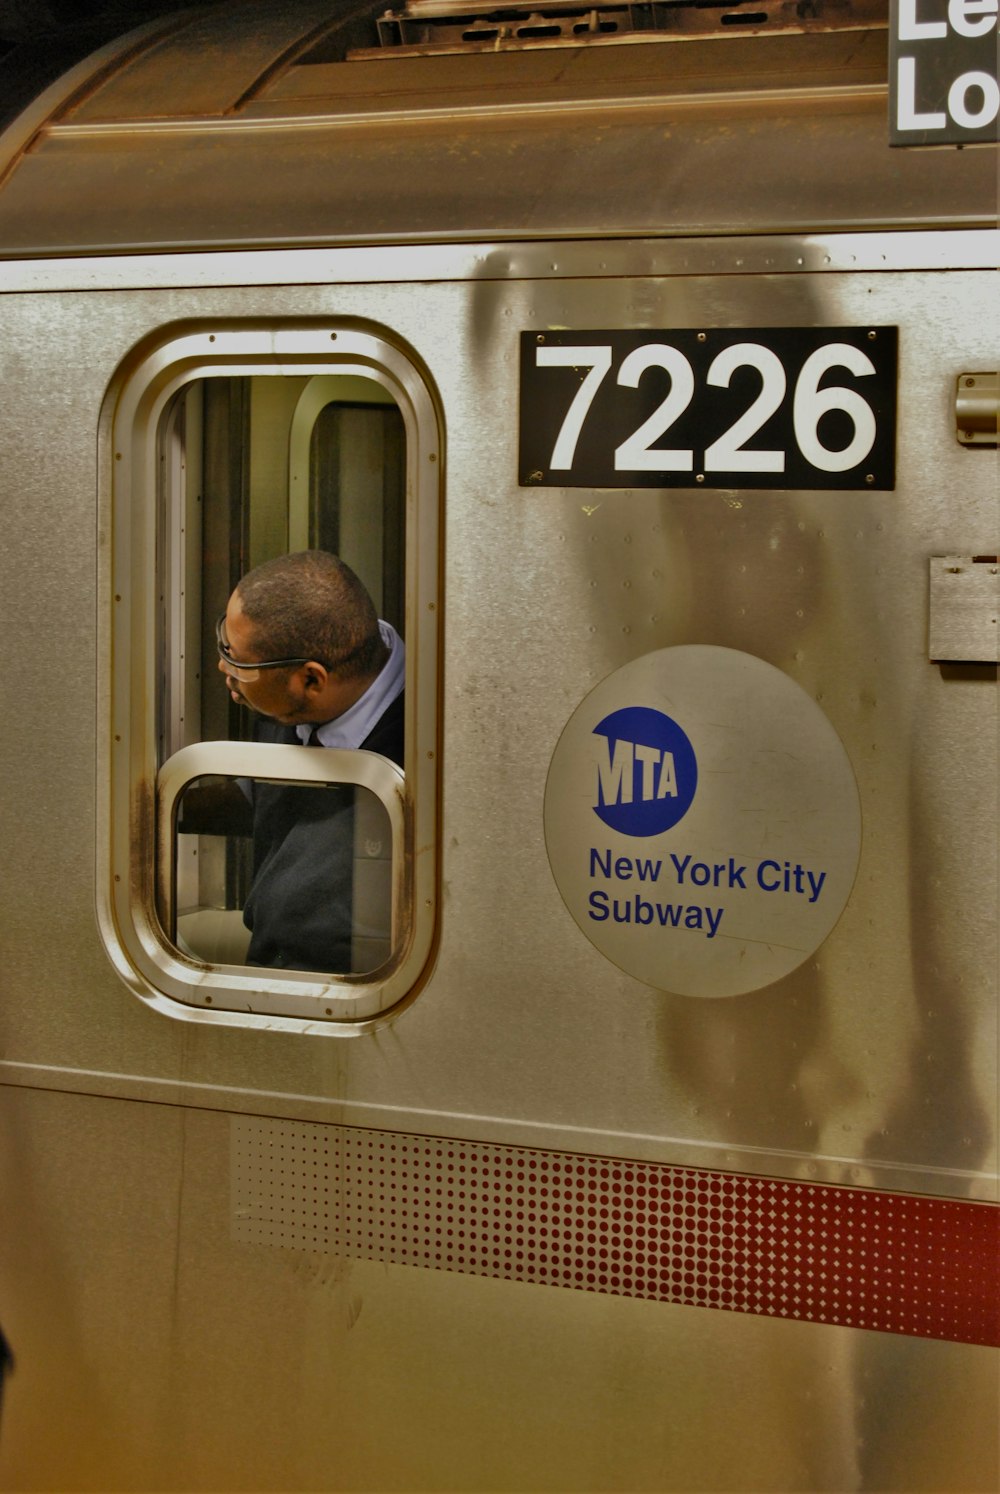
{"x": 650, "y": 1144}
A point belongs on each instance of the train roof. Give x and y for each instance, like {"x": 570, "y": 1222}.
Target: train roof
{"x": 302, "y": 122}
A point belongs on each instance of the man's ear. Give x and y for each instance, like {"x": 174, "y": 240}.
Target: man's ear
{"x": 314, "y": 677}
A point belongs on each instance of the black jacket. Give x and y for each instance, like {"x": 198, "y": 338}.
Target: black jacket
{"x": 300, "y": 905}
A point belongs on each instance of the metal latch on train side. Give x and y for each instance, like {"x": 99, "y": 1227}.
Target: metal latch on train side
{"x": 977, "y": 409}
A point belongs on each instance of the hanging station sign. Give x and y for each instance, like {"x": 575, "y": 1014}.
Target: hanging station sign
{"x": 943, "y": 75}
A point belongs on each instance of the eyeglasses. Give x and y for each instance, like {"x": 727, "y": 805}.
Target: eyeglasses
{"x": 247, "y": 672}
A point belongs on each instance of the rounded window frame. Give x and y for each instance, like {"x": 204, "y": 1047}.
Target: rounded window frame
{"x": 133, "y": 859}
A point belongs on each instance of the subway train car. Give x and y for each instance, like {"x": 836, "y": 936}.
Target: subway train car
{"x": 647, "y": 1139}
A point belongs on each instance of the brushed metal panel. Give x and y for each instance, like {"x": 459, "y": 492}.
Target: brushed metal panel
{"x": 18, "y": 135}
{"x": 205, "y": 64}
{"x": 648, "y": 172}
{"x": 968, "y": 249}
{"x": 178, "y": 1359}
{"x": 878, "y": 1058}
{"x": 964, "y": 606}
{"x": 885, "y": 1043}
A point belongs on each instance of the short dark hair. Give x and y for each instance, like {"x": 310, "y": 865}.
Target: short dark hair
{"x": 310, "y": 605}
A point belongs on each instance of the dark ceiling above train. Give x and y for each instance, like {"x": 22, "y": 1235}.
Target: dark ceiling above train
{"x": 40, "y": 40}
{"x": 36, "y": 20}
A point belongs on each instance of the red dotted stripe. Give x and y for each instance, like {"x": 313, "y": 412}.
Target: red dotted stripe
{"x": 819, "y": 1253}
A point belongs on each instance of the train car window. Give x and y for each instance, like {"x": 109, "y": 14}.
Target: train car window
{"x": 249, "y": 877}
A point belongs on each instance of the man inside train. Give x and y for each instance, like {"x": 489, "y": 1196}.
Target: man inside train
{"x": 301, "y": 644}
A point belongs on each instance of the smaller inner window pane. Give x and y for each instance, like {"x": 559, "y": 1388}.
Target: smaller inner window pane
{"x": 284, "y": 876}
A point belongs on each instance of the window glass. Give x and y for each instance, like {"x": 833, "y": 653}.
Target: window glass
{"x": 255, "y": 468}
{"x": 329, "y": 908}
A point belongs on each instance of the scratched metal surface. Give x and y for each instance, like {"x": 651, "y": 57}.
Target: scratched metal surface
{"x": 180, "y": 1360}
{"x": 875, "y": 1061}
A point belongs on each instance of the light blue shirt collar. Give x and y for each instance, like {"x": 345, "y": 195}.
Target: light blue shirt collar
{"x": 351, "y": 729}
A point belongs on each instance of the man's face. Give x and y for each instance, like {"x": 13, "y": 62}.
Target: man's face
{"x": 277, "y": 693}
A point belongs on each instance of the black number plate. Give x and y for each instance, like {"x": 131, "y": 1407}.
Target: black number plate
{"x": 772, "y": 407}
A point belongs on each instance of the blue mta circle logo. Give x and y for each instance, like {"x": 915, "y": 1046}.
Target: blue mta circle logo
{"x": 647, "y": 772}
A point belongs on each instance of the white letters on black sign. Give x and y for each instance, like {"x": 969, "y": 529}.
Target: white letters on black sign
{"x": 943, "y": 72}
{"x": 777, "y": 407}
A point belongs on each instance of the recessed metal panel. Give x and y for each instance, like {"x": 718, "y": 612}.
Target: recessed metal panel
{"x": 964, "y": 608}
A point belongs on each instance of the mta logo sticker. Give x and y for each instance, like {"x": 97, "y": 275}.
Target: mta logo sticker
{"x": 710, "y": 864}
{"x": 647, "y": 772}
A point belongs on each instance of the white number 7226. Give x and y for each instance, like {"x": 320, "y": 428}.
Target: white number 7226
{"x": 728, "y": 453}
